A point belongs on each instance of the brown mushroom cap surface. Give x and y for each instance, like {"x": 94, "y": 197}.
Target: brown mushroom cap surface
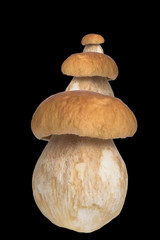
{"x": 90, "y": 64}
{"x": 92, "y": 39}
{"x": 83, "y": 113}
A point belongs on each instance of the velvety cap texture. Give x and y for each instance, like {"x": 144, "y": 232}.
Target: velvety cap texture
{"x": 92, "y": 39}
{"x": 90, "y": 64}
{"x": 83, "y": 113}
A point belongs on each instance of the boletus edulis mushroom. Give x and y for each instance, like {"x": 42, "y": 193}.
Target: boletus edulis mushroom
{"x": 91, "y": 70}
{"x": 80, "y": 180}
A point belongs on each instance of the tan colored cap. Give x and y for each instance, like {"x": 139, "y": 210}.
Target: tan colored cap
{"x": 90, "y": 64}
{"x": 83, "y": 113}
{"x": 92, "y": 39}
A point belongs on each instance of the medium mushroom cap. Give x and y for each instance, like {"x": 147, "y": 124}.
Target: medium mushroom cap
{"x": 92, "y": 39}
{"x": 90, "y": 64}
{"x": 83, "y": 113}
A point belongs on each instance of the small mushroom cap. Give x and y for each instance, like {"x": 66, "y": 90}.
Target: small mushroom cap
{"x": 90, "y": 64}
{"x": 92, "y": 39}
{"x": 83, "y": 113}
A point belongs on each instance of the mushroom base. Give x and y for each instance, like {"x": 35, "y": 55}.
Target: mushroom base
{"x": 80, "y": 183}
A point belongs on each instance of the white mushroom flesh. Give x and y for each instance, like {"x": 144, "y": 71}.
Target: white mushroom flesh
{"x": 95, "y": 84}
{"x": 80, "y": 183}
{"x": 93, "y": 48}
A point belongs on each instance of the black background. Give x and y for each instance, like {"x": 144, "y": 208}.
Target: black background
{"x": 39, "y": 38}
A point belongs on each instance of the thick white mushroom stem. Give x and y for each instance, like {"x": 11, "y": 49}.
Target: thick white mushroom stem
{"x": 80, "y": 183}
{"x": 93, "y": 48}
{"x": 94, "y": 84}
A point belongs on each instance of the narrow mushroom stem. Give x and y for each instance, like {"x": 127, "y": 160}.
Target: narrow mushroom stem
{"x": 93, "y": 48}
{"x": 95, "y": 84}
{"x": 80, "y": 183}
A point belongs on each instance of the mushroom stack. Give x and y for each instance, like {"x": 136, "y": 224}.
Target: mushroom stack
{"x": 92, "y": 70}
{"x": 80, "y": 180}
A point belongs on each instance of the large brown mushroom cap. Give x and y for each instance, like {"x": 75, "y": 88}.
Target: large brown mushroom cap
{"x": 83, "y": 113}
